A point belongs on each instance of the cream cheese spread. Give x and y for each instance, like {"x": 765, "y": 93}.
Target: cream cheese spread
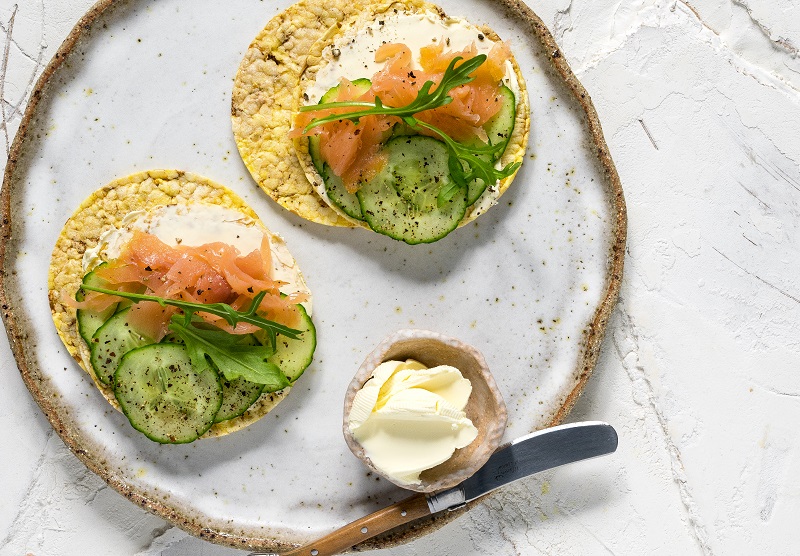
{"x": 198, "y": 224}
{"x": 353, "y": 54}
{"x": 410, "y": 418}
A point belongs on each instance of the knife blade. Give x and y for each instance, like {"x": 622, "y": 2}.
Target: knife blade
{"x": 527, "y": 455}
{"x": 535, "y": 452}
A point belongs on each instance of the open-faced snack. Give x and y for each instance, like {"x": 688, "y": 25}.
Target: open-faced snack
{"x": 386, "y": 115}
{"x": 190, "y": 315}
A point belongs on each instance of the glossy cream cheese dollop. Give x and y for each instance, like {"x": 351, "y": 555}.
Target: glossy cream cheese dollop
{"x": 409, "y": 418}
{"x": 197, "y": 224}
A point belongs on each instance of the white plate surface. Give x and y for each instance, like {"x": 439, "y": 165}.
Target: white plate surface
{"x": 148, "y": 86}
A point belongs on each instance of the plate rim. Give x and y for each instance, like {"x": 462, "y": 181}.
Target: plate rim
{"x": 175, "y": 515}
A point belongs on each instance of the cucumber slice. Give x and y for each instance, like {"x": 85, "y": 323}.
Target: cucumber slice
{"x": 339, "y": 195}
{"x": 163, "y": 396}
{"x": 498, "y": 129}
{"x": 90, "y": 321}
{"x": 313, "y": 141}
{"x": 361, "y": 84}
{"x": 402, "y": 200}
{"x": 110, "y": 342}
{"x": 237, "y": 397}
{"x": 316, "y": 157}
{"x": 293, "y": 356}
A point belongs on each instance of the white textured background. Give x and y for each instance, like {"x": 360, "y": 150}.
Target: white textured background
{"x": 700, "y": 371}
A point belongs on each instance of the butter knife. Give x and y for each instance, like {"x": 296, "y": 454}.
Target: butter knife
{"x": 524, "y": 456}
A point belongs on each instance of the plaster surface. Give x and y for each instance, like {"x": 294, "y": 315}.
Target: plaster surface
{"x": 700, "y": 105}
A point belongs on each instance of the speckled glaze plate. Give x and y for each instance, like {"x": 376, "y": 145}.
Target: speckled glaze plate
{"x": 147, "y": 84}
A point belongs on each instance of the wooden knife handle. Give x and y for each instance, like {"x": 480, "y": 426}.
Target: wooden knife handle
{"x": 365, "y": 528}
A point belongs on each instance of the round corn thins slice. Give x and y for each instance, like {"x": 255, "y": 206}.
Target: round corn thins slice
{"x": 105, "y": 210}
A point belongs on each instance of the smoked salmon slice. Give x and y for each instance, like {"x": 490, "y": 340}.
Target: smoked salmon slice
{"x": 209, "y": 273}
{"x": 353, "y": 151}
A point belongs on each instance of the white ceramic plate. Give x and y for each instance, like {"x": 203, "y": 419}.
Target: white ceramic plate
{"x": 146, "y": 84}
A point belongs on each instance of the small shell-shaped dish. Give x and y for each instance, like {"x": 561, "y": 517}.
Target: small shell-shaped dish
{"x": 485, "y": 408}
